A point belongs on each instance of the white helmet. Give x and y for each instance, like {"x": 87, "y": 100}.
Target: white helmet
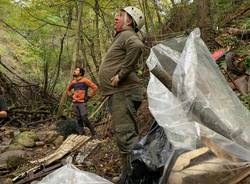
{"x": 136, "y": 14}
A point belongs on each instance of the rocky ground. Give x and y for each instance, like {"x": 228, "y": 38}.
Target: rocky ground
{"x": 20, "y": 146}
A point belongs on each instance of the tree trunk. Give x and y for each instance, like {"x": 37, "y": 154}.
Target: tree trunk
{"x": 98, "y": 44}
{"x": 76, "y": 60}
{"x": 45, "y": 74}
{"x": 158, "y": 14}
{"x": 61, "y": 50}
{"x": 91, "y": 73}
{"x": 204, "y": 16}
{"x": 79, "y": 36}
{"x": 142, "y": 6}
{"x": 148, "y": 12}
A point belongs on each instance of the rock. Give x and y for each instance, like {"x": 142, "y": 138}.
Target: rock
{"x": 40, "y": 143}
{"x": 116, "y": 179}
{"x": 7, "y": 158}
{"x": 88, "y": 163}
{"x": 7, "y": 181}
{"x": 51, "y": 137}
{"x": 15, "y": 146}
{"x": 15, "y": 161}
{"x": 67, "y": 127}
{"x": 58, "y": 141}
{"x": 26, "y": 139}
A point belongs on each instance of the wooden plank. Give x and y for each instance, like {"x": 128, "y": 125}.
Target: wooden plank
{"x": 184, "y": 160}
{"x": 218, "y": 150}
{"x": 239, "y": 177}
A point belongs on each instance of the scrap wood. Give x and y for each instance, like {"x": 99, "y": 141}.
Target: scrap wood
{"x": 184, "y": 160}
{"x": 212, "y": 170}
{"x": 239, "y": 177}
{"x": 24, "y": 174}
{"x": 31, "y": 176}
{"x": 221, "y": 40}
{"x": 70, "y": 144}
{"x": 86, "y": 150}
{"x": 218, "y": 151}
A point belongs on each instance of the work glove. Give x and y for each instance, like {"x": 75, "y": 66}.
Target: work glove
{"x": 115, "y": 80}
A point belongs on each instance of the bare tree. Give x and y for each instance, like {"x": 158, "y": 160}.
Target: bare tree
{"x": 157, "y": 13}
{"x": 204, "y": 16}
{"x": 98, "y": 44}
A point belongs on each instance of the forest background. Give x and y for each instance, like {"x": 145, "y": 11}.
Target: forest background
{"x": 41, "y": 41}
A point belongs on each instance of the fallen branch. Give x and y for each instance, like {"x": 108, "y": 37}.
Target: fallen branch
{"x": 31, "y": 176}
{"x": 242, "y": 34}
{"x": 240, "y": 13}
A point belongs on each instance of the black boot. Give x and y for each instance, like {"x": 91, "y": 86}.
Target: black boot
{"x": 90, "y": 126}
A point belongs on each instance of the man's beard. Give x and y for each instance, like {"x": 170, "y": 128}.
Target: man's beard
{"x": 75, "y": 75}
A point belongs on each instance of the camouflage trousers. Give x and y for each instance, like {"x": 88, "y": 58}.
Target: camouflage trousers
{"x": 123, "y": 106}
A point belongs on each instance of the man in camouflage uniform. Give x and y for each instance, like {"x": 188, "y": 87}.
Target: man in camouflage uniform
{"x": 118, "y": 78}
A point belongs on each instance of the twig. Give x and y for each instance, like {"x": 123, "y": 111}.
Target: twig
{"x": 46, "y": 21}
{"x": 40, "y": 121}
{"x": 30, "y": 112}
{"x": 233, "y": 82}
{"x": 100, "y": 106}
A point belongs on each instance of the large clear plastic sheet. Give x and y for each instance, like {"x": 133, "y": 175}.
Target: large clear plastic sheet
{"x": 70, "y": 174}
{"x": 190, "y": 98}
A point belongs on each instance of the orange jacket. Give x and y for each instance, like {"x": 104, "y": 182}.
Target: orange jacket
{"x": 80, "y": 87}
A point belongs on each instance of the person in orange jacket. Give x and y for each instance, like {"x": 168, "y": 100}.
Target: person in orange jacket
{"x": 3, "y": 105}
{"x": 80, "y": 96}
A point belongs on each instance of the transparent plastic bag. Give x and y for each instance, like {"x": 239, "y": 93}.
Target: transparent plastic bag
{"x": 198, "y": 102}
{"x": 69, "y": 174}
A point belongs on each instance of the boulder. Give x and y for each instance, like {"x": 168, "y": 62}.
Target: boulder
{"x": 27, "y": 139}
{"x": 12, "y": 159}
{"x": 15, "y": 146}
{"x": 58, "y": 141}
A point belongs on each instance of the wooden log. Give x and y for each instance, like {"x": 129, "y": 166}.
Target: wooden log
{"x": 239, "y": 32}
{"x": 185, "y": 159}
{"x": 209, "y": 171}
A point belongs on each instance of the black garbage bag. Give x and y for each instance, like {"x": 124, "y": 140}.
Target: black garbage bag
{"x": 67, "y": 126}
{"x": 150, "y": 158}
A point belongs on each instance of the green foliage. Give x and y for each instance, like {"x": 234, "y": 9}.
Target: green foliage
{"x": 247, "y": 24}
{"x": 246, "y": 100}
{"x": 247, "y": 62}
{"x": 68, "y": 109}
